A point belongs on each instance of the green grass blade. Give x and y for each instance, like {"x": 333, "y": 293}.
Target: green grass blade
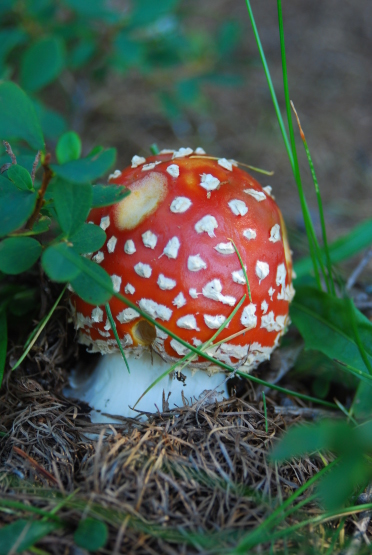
{"x": 154, "y": 149}
{"x": 270, "y": 83}
{"x": 265, "y": 412}
{"x": 243, "y": 268}
{"x": 3, "y": 343}
{"x": 37, "y": 331}
{"x": 115, "y": 332}
{"x": 320, "y": 203}
{"x": 313, "y": 242}
{"x": 258, "y": 534}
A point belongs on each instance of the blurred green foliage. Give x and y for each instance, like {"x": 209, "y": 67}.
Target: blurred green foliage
{"x": 69, "y": 43}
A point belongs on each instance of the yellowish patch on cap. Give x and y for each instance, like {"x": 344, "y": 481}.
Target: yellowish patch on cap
{"x": 287, "y": 250}
{"x": 191, "y": 179}
{"x": 145, "y": 196}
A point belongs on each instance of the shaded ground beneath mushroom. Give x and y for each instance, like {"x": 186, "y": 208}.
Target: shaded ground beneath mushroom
{"x": 186, "y": 481}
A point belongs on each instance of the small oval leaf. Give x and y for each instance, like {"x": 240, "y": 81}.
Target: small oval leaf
{"x": 91, "y": 534}
{"x": 20, "y": 177}
{"x": 16, "y": 206}
{"x": 18, "y": 254}
{"x": 23, "y": 534}
{"x": 89, "y": 238}
{"x": 72, "y": 203}
{"x": 105, "y": 195}
{"x": 86, "y": 169}
{"x": 18, "y": 117}
{"x": 42, "y": 63}
{"x": 92, "y": 284}
{"x": 61, "y": 262}
{"x": 68, "y": 147}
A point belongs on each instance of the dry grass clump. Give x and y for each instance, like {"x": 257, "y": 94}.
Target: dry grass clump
{"x": 180, "y": 482}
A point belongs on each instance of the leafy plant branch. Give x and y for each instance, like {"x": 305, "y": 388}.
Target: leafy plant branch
{"x": 47, "y": 176}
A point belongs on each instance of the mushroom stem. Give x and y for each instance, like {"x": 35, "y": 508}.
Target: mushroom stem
{"x": 111, "y": 390}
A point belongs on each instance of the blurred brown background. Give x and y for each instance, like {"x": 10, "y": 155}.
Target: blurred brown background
{"x": 329, "y": 54}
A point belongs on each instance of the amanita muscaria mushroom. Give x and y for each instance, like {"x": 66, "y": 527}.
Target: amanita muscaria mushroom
{"x": 169, "y": 250}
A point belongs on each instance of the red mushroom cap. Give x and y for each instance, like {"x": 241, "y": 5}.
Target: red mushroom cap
{"x": 169, "y": 251}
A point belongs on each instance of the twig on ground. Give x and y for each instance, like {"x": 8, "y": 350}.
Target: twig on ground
{"x": 305, "y": 412}
{"x": 359, "y": 269}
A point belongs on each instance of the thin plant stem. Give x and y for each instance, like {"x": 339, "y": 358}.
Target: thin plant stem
{"x": 313, "y": 242}
{"x": 243, "y": 269}
{"x": 270, "y": 83}
{"x": 253, "y": 538}
{"x": 320, "y": 204}
{"x": 258, "y": 170}
{"x": 154, "y": 149}
{"x": 37, "y": 331}
{"x": 265, "y": 412}
{"x": 115, "y": 332}
{"x": 47, "y": 176}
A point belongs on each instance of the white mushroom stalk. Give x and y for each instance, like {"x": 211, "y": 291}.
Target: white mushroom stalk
{"x": 181, "y": 247}
{"x": 112, "y": 391}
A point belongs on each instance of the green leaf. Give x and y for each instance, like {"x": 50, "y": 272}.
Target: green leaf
{"x": 228, "y": 37}
{"x": 18, "y": 118}
{"x": 68, "y": 147}
{"x": 95, "y": 9}
{"x": 130, "y": 53}
{"x": 57, "y": 263}
{"x": 325, "y": 325}
{"x": 16, "y": 206}
{"x": 336, "y": 487}
{"x": 89, "y": 238}
{"x": 145, "y": 12}
{"x": 309, "y": 438}
{"x": 86, "y": 169}
{"x": 24, "y": 534}
{"x": 9, "y": 39}
{"x": 5, "y": 6}
{"x": 52, "y": 123}
{"x": 91, "y": 534}
{"x": 18, "y": 254}
{"x": 24, "y": 160}
{"x": 362, "y": 402}
{"x": 42, "y": 63}
{"x": 3, "y": 343}
{"x": 20, "y": 177}
{"x": 105, "y": 195}
{"x": 81, "y": 53}
{"x": 343, "y": 248}
{"x": 24, "y": 302}
{"x": 87, "y": 288}
{"x": 41, "y": 226}
{"x": 72, "y": 203}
